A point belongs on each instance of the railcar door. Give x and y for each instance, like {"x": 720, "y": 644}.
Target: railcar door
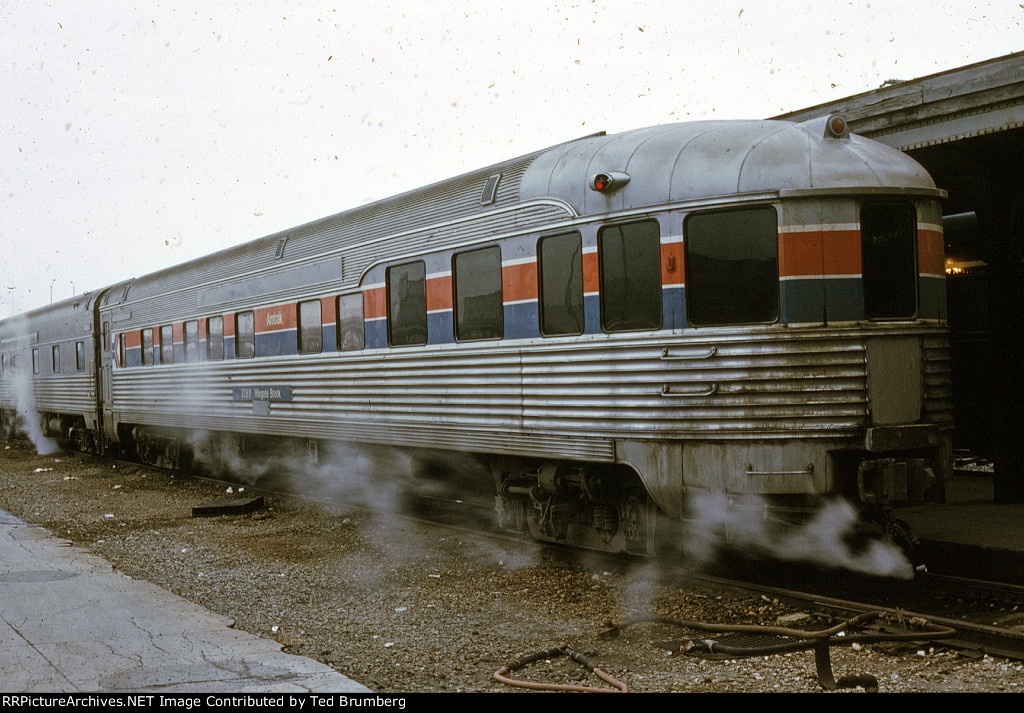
{"x": 106, "y": 347}
{"x": 100, "y": 339}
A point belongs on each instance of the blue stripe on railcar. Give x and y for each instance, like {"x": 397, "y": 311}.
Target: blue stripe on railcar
{"x": 801, "y": 300}
{"x": 280, "y": 343}
{"x": 932, "y": 297}
{"x": 673, "y": 305}
{"x": 521, "y": 320}
{"x": 376, "y": 333}
{"x": 844, "y": 299}
{"x": 440, "y": 327}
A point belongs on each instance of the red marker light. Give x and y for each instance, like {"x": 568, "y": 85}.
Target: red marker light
{"x": 836, "y": 127}
{"x": 608, "y": 182}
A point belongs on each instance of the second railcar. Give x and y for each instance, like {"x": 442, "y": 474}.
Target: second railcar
{"x": 48, "y": 372}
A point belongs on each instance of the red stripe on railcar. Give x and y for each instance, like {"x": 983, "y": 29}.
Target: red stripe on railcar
{"x": 841, "y": 249}
{"x": 519, "y": 282}
{"x": 439, "y": 293}
{"x": 931, "y": 252}
{"x": 672, "y": 266}
{"x": 375, "y": 303}
{"x": 328, "y": 309}
{"x": 272, "y": 319}
{"x": 800, "y": 254}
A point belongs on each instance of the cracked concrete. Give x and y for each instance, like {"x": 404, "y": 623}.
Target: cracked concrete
{"x": 70, "y": 623}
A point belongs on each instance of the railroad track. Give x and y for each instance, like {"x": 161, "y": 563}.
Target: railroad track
{"x": 970, "y": 636}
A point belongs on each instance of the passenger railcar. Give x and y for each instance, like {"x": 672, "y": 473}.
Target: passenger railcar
{"x": 748, "y": 307}
{"x": 48, "y": 367}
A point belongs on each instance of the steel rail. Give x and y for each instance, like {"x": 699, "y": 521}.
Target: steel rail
{"x": 996, "y": 641}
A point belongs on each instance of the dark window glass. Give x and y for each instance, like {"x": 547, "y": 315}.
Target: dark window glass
{"x": 350, "y": 322}
{"x": 166, "y": 345}
{"x": 35, "y": 361}
{"x": 479, "y": 311}
{"x": 106, "y": 336}
{"x": 407, "y": 304}
{"x": 888, "y": 244}
{"x": 215, "y": 338}
{"x": 561, "y": 284}
{"x": 192, "y": 340}
{"x": 245, "y": 335}
{"x": 147, "y": 347}
{"x": 630, "y": 257}
{"x": 80, "y": 356}
{"x": 311, "y": 330}
{"x": 56, "y": 359}
{"x": 732, "y": 267}
{"x": 120, "y": 350}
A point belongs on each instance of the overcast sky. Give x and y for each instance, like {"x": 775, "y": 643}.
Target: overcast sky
{"x": 134, "y": 136}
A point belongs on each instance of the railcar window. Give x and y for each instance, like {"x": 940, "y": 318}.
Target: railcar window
{"x": 35, "y": 361}
{"x": 630, "y": 260}
{"x": 351, "y": 336}
{"x": 215, "y": 338}
{"x": 192, "y": 340}
{"x": 166, "y": 345}
{"x": 561, "y": 284}
{"x": 732, "y": 267}
{"x": 56, "y": 358}
{"x": 147, "y": 347}
{"x": 245, "y": 335}
{"x": 407, "y": 304}
{"x": 106, "y": 336}
{"x": 120, "y": 351}
{"x": 888, "y": 239}
{"x": 311, "y": 329}
{"x": 479, "y": 310}
{"x": 80, "y": 356}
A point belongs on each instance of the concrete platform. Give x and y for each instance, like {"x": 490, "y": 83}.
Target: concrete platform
{"x": 70, "y": 623}
{"x": 970, "y": 533}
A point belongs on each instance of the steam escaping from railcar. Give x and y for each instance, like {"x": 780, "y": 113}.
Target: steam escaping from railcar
{"x": 744, "y": 524}
{"x": 381, "y": 481}
{"x": 29, "y": 422}
{"x": 343, "y": 474}
{"x": 378, "y": 478}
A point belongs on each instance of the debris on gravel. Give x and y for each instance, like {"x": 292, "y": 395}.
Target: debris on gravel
{"x": 406, "y": 606}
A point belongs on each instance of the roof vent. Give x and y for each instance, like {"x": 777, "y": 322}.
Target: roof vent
{"x": 490, "y": 192}
{"x": 280, "y": 248}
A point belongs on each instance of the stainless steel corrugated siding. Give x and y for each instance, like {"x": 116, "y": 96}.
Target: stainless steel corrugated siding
{"x": 555, "y": 399}
{"x": 69, "y": 394}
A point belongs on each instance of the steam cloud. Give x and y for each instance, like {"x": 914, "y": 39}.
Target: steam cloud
{"x": 825, "y": 539}
{"x": 29, "y": 422}
{"x": 380, "y": 478}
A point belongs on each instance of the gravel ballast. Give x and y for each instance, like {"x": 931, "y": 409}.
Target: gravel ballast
{"x": 404, "y": 606}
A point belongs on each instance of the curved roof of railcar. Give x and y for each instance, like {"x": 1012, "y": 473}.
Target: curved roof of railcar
{"x": 697, "y": 160}
{"x": 70, "y": 318}
{"x": 675, "y": 162}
